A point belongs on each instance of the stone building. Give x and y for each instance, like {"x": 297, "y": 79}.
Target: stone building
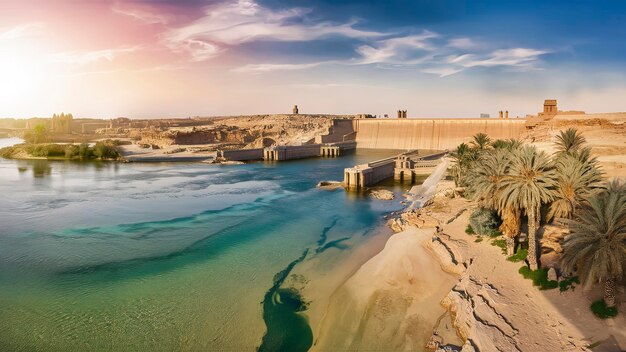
{"x": 402, "y": 114}
{"x": 62, "y": 123}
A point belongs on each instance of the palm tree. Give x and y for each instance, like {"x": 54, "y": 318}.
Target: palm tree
{"x": 530, "y": 183}
{"x": 509, "y": 144}
{"x": 485, "y": 176}
{"x": 481, "y": 141}
{"x": 569, "y": 141}
{"x": 596, "y": 245}
{"x": 462, "y": 156}
{"x": 577, "y": 181}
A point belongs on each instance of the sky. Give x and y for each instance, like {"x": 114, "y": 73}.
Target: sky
{"x": 433, "y": 58}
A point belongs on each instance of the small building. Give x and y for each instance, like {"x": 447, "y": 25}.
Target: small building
{"x": 295, "y": 109}
{"x": 484, "y": 116}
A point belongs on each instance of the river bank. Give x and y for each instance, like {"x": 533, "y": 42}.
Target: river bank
{"x": 433, "y": 278}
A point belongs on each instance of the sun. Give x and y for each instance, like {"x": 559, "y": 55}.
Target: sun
{"x": 21, "y": 74}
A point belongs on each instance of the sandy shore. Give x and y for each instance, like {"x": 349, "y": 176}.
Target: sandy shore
{"x": 463, "y": 291}
{"x": 135, "y": 153}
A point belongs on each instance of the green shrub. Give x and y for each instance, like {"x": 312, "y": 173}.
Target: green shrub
{"x": 469, "y": 230}
{"x": 500, "y": 243}
{"x": 539, "y": 278}
{"x": 484, "y": 221}
{"x": 568, "y": 283}
{"x": 601, "y": 311}
{"x": 519, "y": 256}
{"x": 478, "y": 239}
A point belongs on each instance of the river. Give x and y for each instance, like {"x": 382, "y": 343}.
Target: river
{"x": 171, "y": 256}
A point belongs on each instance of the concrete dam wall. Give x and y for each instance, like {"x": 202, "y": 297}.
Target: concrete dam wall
{"x": 432, "y": 134}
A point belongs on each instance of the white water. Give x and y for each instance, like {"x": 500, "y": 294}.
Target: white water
{"x": 420, "y": 194}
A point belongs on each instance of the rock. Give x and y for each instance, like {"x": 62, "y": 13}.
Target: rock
{"x": 467, "y": 347}
{"x": 329, "y": 185}
{"x": 381, "y": 194}
{"x": 474, "y": 308}
{"x": 552, "y": 275}
{"x": 434, "y": 342}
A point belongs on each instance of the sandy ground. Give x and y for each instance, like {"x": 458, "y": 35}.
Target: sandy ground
{"x": 136, "y": 153}
{"x": 391, "y": 302}
{"x": 542, "y": 320}
{"x": 608, "y": 142}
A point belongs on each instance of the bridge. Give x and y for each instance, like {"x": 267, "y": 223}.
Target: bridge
{"x": 404, "y": 167}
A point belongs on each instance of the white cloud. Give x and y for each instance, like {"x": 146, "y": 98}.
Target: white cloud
{"x": 507, "y": 57}
{"x": 259, "y": 68}
{"x": 86, "y": 57}
{"x": 244, "y": 21}
{"x": 22, "y": 31}
{"x": 143, "y": 16}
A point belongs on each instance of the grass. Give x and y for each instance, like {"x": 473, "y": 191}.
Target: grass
{"x": 495, "y": 233}
{"x": 568, "y": 283}
{"x": 500, "y": 243}
{"x": 469, "y": 230}
{"x": 539, "y": 278}
{"x": 601, "y": 311}
{"x": 520, "y": 256}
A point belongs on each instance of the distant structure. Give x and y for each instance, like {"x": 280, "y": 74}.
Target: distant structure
{"x": 402, "y": 114}
{"x": 484, "y": 116}
{"x": 295, "y": 109}
{"x": 549, "y": 107}
{"x": 501, "y": 114}
{"x": 365, "y": 116}
{"x": 62, "y": 123}
{"x": 506, "y": 114}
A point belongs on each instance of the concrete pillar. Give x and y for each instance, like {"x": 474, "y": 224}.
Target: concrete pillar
{"x": 506, "y": 114}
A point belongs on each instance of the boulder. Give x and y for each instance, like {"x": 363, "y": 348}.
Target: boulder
{"x": 552, "y": 275}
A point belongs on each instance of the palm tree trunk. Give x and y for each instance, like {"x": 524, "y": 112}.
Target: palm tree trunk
{"x": 532, "y": 239}
{"x": 510, "y": 246}
{"x": 609, "y": 292}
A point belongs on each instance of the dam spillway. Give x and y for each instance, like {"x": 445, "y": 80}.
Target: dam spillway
{"x": 431, "y": 134}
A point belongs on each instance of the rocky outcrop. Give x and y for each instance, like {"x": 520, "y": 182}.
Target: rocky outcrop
{"x": 381, "y": 194}
{"x": 412, "y": 218}
{"x": 474, "y": 308}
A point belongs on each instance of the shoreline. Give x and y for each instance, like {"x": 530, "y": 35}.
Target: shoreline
{"x": 487, "y": 306}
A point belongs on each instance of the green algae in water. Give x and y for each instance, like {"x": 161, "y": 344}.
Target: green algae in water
{"x": 287, "y": 329}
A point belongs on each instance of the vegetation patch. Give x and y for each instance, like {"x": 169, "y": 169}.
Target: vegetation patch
{"x": 568, "y": 283}
{"x": 469, "y": 230}
{"x": 519, "y": 256}
{"x": 539, "y": 278}
{"x": 101, "y": 150}
{"x": 601, "y": 311}
{"x": 484, "y": 221}
{"x": 500, "y": 243}
{"x": 478, "y": 239}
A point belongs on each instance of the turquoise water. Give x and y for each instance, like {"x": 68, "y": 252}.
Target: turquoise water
{"x": 169, "y": 256}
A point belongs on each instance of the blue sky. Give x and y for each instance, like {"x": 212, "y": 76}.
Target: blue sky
{"x": 434, "y": 58}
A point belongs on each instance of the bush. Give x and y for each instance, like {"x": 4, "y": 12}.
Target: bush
{"x": 478, "y": 239}
{"x": 500, "y": 243}
{"x": 539, "y": 278}
{"x": 568, "y": 283}
{"x": 601, "y": 311}
{"x": 469, "y": 230}
{"x": 484, "y": 221}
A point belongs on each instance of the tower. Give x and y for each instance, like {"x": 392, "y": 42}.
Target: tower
{"x": 295, "y": 109}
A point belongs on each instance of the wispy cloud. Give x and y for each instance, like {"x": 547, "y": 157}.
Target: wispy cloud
{"x": 259, "y": 68}
{"x": 229, "y": 24}
{"x": 86, "y": 57}
{"x": 21, "y": 31}
{"x": 143, "y": 16}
